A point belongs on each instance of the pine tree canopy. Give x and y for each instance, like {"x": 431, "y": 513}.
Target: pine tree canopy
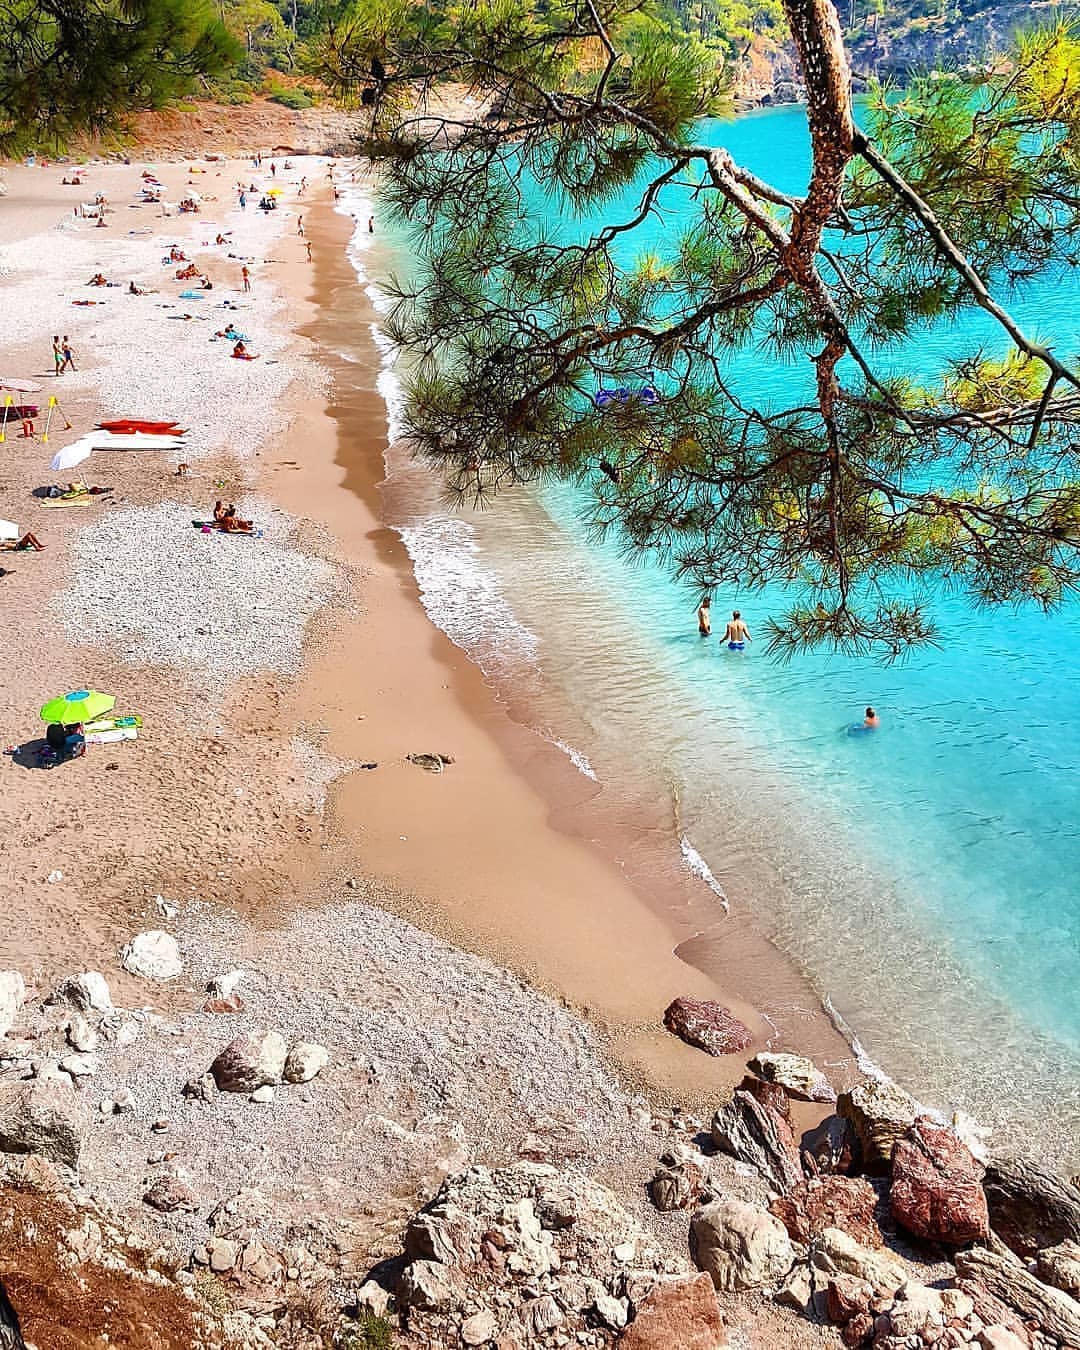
{"x": 68, "y": 66}
{"x": 864, "y": 491}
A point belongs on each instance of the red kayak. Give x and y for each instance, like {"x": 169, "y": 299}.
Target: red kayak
{"x": 128, "y": 426}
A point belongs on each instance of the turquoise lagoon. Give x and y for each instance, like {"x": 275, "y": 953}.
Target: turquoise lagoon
{"x": 926, "y": 877}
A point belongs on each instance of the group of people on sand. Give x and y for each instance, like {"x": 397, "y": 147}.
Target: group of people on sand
{"x": 63, "y": 354}
{"x": 226, "y": 519}
{"x": 737, "y": 635}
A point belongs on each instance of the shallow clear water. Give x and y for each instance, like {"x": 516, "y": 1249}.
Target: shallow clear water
{"x": 925, "y": 876}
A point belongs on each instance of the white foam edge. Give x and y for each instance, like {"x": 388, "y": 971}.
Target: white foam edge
{"x": 696, "y": 864}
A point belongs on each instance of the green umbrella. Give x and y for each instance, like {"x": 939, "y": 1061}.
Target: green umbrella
{"x": 81, "y": 706}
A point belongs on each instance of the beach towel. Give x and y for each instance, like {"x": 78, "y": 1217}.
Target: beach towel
{"x": 112, "y": 723}
{"x": 84, "y": 499}
{"x": 110, "y": 737}
{"x": 192, "y": 295}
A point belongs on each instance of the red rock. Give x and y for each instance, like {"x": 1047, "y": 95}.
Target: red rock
{"x": 680, "y": 1314}
{"x": 233, "y": 1004}
{"x": 847, "y": 1203}
{"x": 707, "y": 1025}
{"x": 846, "y": 1297}
{"x": 937, "y": 1189}
{"x": 768, "y": 1094}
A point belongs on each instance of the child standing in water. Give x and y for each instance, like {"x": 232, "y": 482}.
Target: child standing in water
{"x": 704, "y": 617}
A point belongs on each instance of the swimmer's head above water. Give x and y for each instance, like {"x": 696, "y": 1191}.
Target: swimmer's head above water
{"x": 871, "y": 718}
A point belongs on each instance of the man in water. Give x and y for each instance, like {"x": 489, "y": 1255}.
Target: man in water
{"x": 871, "y": 720}
{"x": 737, "y": 635}
{"x": 704, "y": 618}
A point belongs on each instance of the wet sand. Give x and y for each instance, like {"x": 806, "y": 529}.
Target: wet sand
{"x": 510, "y": 851}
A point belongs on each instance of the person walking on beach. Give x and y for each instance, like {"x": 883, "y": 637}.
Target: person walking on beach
{"x": 247, "y": 277}
{"x": 371, "y": 224}
{"x": 736, "y": 635}
{"x": 273, "y": 169}
{"x": 68, "y": 354}
{"x": 243, "y": 200}
{"x": 307, "y": 245}
{"x": 58, "y": 355}
{"x": 300, "y": 226}
{"x": 704, "y": 617}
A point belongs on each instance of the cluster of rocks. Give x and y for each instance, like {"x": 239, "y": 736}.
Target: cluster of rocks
{"x": 531, "y": 1256}
{"x": 255, "y": 1064}
{"x": 872, "y": 1190}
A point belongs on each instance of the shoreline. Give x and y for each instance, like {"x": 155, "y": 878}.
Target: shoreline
{"x": 539, "y": 813}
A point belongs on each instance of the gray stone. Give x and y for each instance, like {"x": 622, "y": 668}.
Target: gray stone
{"x": 222, "y": 1254}
{"x": 249, "y": 1062}
{"x": 1060, "y": 1266}
{"x": 740, "y": 1246}
{"x": 169, "y": 1194}
{"x": 613, "y": 1312}
{"x": 81, "y": 1034}
{"x": 12, "y": 997}
{"x": 263, "y": 1095}
{"x": 80, "y": 1066}
{"x": 153, "y": 955}
{"x": 373, "y": 1297}
{"x": 87, "y": 992}
{"x": 430, "y": 1286}
{"x": 756, "y": 1134}
{"x": 480, "y": 1328}
{"x": 797, "y": 1075}
{"x": 304, "y": 1061}
{"x": 225, "y": 985}
{"x": 47, "y": 1118}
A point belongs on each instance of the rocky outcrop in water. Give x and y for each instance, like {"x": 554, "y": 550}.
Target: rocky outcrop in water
{"x": 936, "y": 1190}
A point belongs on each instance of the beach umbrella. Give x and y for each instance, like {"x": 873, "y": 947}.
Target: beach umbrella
{"x": 72, "y": 454}
{"x": 274, "y": 192}
{"x": 84, "y": 705}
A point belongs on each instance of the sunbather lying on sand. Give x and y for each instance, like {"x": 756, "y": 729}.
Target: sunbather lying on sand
{"x": 242, "y": 354}
{"x": 135, "y": 290}
{"x": 97, "y": 280}
{"x": 28, "y": 541}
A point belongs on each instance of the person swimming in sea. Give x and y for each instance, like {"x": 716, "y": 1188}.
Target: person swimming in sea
{"x": 736, "y": 635}
{"x": 871, "y": 721}
{"x": 704, "y": 617}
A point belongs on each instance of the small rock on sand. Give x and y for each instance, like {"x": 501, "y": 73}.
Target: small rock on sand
{"x": 250, "y": 1062}
{"x": 87, "y": 992}
{"x": 154, "y": 955}
{"x": 305, "y": 1061}
{"x": 707, "y": 1025}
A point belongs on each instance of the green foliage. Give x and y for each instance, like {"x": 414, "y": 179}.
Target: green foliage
{"x": 68, "y": 66}
{"x": 859, "y": 491}
{"x": 290, "y": 96}
{"x": 369, "y": 1332}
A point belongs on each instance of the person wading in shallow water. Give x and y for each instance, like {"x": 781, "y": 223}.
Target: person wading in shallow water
{"x": 704, "y": 617}
{"x": 871, "y": 720}
{"x": 736, "y": 635}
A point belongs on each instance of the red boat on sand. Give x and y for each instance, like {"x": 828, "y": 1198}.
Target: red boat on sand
{"x": 128, "y": 426}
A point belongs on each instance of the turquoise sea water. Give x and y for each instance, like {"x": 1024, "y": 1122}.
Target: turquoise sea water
{"x": 925, "y": 876}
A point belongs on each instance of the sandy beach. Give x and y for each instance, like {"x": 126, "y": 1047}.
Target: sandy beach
{"x": 268, "y": 815}
{"x": 215, "y": 802}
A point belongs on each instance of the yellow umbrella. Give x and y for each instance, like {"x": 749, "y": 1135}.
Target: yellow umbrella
{"x": 274, "y": 192}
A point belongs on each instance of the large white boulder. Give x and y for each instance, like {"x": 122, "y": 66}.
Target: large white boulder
{"x": 155, "y": 955}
